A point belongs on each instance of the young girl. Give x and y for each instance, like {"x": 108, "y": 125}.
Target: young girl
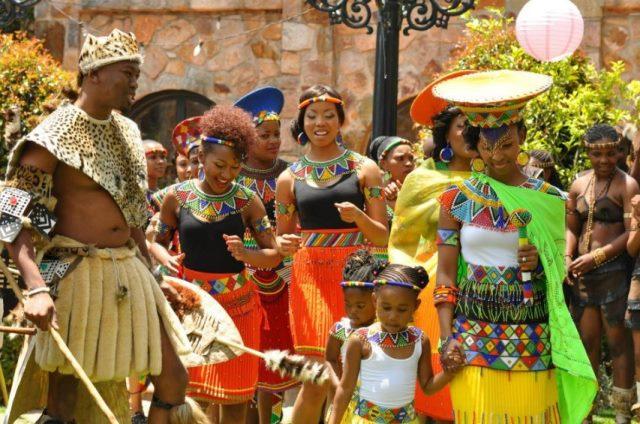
{"x": 357, "y": 287}
{"x": 389, "y": 357}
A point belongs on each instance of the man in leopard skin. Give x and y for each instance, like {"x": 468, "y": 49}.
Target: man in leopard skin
{"x": 88, "y": 276}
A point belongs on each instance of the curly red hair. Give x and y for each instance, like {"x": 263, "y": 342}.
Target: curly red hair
{"x": 231, "y": 124}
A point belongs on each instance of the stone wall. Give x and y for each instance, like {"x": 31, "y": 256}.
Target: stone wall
{"x": 245, "y": 44}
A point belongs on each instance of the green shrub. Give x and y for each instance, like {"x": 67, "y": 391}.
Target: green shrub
{"x": 580, "y": 97}
{"x": 31, "y": 81}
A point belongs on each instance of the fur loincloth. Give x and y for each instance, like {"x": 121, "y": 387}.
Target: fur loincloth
{"x": 110, "y": 336}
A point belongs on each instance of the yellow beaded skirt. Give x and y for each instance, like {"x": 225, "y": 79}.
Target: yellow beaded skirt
{"x": 483, "y": 395}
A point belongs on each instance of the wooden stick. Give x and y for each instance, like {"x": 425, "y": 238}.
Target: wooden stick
{"x": 3, "y": 387}
{"x": 65, "y": 351}
{"x": 241, "y": 347}
{"x": 18, "y": 330}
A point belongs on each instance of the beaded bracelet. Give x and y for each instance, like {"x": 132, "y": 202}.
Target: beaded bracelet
{"x": 599, "y": 257}
{"x": 38, "y": 290}
{"x": 445, "y": 294}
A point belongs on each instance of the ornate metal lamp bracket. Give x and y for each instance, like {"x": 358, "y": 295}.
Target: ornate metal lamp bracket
{"x": 14, "y": 10}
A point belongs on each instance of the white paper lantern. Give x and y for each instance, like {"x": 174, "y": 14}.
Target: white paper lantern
{"x": 549, "y": 30}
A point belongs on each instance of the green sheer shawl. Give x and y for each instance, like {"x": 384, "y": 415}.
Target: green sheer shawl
{"x": 577, "y": 384}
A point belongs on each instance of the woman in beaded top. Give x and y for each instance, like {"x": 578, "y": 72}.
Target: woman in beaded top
{"x": 259, "y": 173}
{"x": 598, "y": 265}
{"x": 211, "y": 216}
{"x": 499, "y": 295}
{"x": 334, "y": 196}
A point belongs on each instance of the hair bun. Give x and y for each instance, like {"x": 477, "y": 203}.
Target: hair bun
{"x": 422, "y": 276}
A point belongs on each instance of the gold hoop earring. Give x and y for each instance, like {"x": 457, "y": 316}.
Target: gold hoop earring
{"x": 523, "y": 158}
{"x": 477, "y": 165}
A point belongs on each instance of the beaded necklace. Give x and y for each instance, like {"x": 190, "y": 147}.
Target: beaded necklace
{"x": 591, "y": 187}
{"x": 407, "y": 337}
{"x": 210, "y": 208}
{"x": 322, "y": 172}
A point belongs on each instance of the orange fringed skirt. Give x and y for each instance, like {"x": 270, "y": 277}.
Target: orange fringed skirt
{"x": 275, "y": 332}
{"x": 233, "y": 381}
{"x": 315, "y": 299}
{"x": 438, "y": 405}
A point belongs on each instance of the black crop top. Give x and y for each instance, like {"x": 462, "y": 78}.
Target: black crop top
{"x": 315, "y": 205}
{"x": 203, "y": 220}
{"x": 605, "y": 210}
{"x": 205, "y": 249}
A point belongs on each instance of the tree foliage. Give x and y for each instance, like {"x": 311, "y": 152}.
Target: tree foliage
{"x": 581, "y": 95}
{"x": 32, "y": 81}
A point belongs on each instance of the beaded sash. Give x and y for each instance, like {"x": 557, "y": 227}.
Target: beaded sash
{"x": 378, "y": 414}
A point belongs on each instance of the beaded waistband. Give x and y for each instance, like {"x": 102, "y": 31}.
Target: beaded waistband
{"x": 379, "y": 414}
{"x": 332, "y": 238}
{"x": 216, "y": 283}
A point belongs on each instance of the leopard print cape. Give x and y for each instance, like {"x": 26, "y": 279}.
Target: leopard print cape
{"x": 109, "y": 152}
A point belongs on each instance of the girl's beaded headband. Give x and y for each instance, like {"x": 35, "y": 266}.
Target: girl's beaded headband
{"x": 357, "y": 284}
{"x": 397, "y": 284}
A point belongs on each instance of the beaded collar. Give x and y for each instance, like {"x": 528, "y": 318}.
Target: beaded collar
{"x": 272, "y": 172}
{"x": 407, "y": 337}
{"x": 210, "y": 208}
{"x": 474, "y": 202}
{"x": 347, "y": 163}
{"x": 262, "y": 181}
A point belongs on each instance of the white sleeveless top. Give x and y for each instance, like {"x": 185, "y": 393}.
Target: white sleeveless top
{"x": 389, "y": 382}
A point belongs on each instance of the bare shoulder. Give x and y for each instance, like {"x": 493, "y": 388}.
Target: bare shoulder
{"x": 38, "y": 157}
{"x": 369, "y": 167}
{"x": 578, "y": 185}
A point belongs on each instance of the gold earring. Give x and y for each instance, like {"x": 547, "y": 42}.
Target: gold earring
{"x": 523, "y": 158}
{"x": 477, "y": 165}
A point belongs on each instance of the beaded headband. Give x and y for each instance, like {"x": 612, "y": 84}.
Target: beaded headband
{"x": 542, "y": 165}
{"x": 323, "y": 98}
{"x": 608, "y": 145}
{"x": 397, "y": 284}
{"x": 391, "y": 146}
{"x": 357, "y": 284}
{"x": 154, "y": 150}
{"x": 265, "y": 116}
{"x": 214, "y": 140}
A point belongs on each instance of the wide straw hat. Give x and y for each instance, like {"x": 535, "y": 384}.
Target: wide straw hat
{"x": 425, "y": 106}
{"x": 491, "y": 99}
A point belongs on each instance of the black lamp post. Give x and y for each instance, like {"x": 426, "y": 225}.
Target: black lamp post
{"x": 420, "y": 15}
{"x": 12, "y": 12}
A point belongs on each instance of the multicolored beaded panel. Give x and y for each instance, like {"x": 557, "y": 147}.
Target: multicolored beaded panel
{"x": 506, "y": 347}
{"x": 332, "y": 239}
{"x": 378, "y": 414}
{"x": 209, "y": 208}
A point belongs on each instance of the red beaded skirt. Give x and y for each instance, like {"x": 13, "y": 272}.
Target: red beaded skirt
{"x": 234, "y": 381}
